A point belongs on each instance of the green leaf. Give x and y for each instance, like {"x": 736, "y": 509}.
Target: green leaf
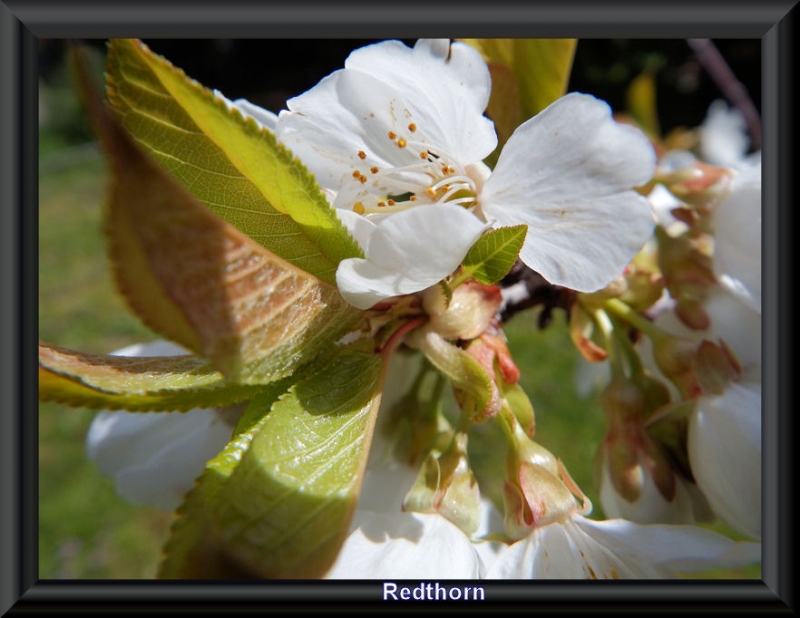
{"x": 640, "y": 101}
{"x": 278, "y": 501}
{"x": 494, "y": 253}
{"x": 527, "y": 76}
{"x": 138, "y": 384}
{"x": 193, "y": 550}
{"x": 200, "y": 281}
{"x": 236, "y": 168}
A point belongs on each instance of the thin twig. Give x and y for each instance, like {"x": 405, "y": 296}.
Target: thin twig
{"x": 716, "y": 66}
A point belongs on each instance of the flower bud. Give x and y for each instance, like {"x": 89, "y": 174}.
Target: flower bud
{"x": 675, "y": 358}
{"x": 648, "y": 491}
{"x": 468, "y": 313}
{"x": 446, "y": 485}
{"x": 535, "y": 498}
{"x": 533, "y": 493}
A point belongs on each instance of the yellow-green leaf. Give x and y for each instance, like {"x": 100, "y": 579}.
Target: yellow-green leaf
{"x": 236, "y": 168}
{"x": 161, "y": 383}
{"x": 278, "y": 501}
{"x": 494, "y": 253}
{"x": 641, "y": 103}
{"x": 203, "y": 283}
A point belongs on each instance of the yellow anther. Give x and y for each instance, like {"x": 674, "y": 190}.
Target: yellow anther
{"x": 358, "y": 208}
{"x": 374, "y": 170}
{"x": 401, "y": 142}
{"x": 362, "y": 155}
{"x": 412, "y": 127}
{"x": 392, "y": 135}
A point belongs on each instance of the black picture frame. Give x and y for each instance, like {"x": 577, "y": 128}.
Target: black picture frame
{"x": 21, "y": 22}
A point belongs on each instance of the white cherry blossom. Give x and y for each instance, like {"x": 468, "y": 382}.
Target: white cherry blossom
{"x": 402, "y": 129}
{"x": 724, "y": 437}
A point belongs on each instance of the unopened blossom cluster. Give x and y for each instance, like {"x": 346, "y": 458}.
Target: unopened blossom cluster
{"x": 666, "y": 248}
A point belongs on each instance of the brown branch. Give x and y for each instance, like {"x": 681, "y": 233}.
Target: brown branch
{"x": 733, "y": 90}
{"x": 538, "y": 292}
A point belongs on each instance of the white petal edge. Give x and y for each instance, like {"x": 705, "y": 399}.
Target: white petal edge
{"x": 581, "y": 548}
{"x": 568, "y": 173}
{"x": 683, "y": 549}
{"x": 737, "y": 237}
{"x": 725, "y": 455}
{"x": 408, "y": 252}
{"x": 723, "y": 135}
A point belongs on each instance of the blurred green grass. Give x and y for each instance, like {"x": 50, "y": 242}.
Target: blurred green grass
{"x": 85, "y": 529}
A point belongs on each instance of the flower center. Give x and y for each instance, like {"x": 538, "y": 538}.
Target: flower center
{"x": 416, "y": 175}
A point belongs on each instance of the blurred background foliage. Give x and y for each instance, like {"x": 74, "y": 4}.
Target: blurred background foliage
{"x": 85, "y": 529}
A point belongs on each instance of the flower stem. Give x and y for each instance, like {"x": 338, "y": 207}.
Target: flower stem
{"x": 621, "y": 310}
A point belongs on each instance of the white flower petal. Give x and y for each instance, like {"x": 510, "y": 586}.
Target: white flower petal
{"x": 264, "y": 117}
{"x": 676, "y": 160}
{"x": 405, "y": 546}
{"x": 353, "y": 120}
{"x": 408, "y": 252}
{"x": 735, "y": 322}
{"x": 737, "y": 238}
{"x": 725, "y": 454}
{"x": 738, "y": 323}
{"x": 359, "y": 227}
{"x": 565, "y": 551}
{"x": 581, "y": 548}
{"x": 154, "y": 457}
{"x": 445, "y": 89}
{"x": 677, "y": 548}
{"x": 568, "y": 174}
{"x": 663, "y": 203}
{"x": 723, "y": 135}
{"x": 322, "y": 133}
{"x": 386, "y": 543}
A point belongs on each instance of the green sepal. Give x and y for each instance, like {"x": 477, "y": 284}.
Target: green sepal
{"x": 476, "y": 391}
{"x": 669, "y": 427}
{"x": 136, "y": 384}
{"x": 277, "y": 502}
{"x": 519, "y": 404}
{"x": 494, "y": 253}
{"x": 229, "y": 162}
